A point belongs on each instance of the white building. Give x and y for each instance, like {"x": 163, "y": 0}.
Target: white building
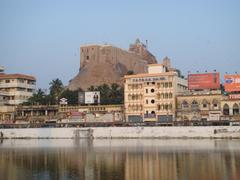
{"x": 16, "y": 88}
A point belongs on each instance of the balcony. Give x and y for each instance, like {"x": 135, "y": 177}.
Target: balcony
{"x": 17, "y": 85}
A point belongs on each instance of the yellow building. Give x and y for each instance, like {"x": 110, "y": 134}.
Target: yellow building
{"x": 230, "y": 109}
{"x": 151, "y": 96}
{"x": 199, "y": 105}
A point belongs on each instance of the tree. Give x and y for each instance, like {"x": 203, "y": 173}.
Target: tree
{"x": 71, "y": 96}
{"x": 36, "y": 99}
{"x": 56, "y": 88}
{"x": 130, "y": 72}
{"x": 112, "y": 94}
{"x": 116, "y": 94}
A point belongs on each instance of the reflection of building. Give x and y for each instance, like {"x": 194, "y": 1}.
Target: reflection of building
{"x": 203, "y": 105}
{"x": 17, "y": 87}
{"x": 151, "y": 96}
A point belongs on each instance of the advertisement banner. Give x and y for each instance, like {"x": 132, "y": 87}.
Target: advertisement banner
{"x": 92, "y": 97}
{"x": 234, "y": 96}
{"x": 203, "y": 81}
{"x": 232, "y": 82}
{"x": 89, "y": 97}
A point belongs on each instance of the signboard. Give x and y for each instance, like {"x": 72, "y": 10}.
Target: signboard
{"x": 203, "y": 81}
{"x": 149, "y": 79}
{"x": 234, "y": 96}
{"x": 63, "y": 101}
{"x": 92, "y": 97}
{"x": 232, "y": 82}
{"x": 89, "y": 97}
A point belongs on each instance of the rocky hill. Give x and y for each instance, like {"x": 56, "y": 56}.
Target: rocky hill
{"x": 108, "y": 64}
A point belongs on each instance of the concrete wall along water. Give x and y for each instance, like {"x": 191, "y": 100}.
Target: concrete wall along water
{"x": 125, "y": 132}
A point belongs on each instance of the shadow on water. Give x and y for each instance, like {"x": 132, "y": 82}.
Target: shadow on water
{"x": 120, "y": 159}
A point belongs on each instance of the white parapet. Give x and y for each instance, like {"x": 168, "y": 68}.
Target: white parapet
{"x": 125, "y": 132}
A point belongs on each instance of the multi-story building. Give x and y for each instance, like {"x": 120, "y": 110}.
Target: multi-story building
{"x": 199, "y": 105}
{"x": 16, "y": 88}
{"x": 230, "y": 106}
{"x": 152, "y": 96}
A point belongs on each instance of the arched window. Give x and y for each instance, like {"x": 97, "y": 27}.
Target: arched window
{"x": 215, "y": 103}
{"x": 226, "y": 109}
{"x": 166, "y": 107}
{"x": 166, "y": 95}
{"x": 170, "y": 95}
{"x": 235, "y": 109}
{"x": 185, "y": 105}
{"x": 194, "y": 104}
{"x": 204, "y": 103}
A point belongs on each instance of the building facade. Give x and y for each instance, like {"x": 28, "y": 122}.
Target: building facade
{"x": 16, "y": 88}
{"x": 202, "y": 105}
{"x": 151, "y": 97}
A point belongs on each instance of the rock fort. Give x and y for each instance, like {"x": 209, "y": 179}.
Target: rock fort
{"x": 101, "y": 64}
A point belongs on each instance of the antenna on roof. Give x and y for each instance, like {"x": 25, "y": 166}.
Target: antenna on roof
{"x": 146, "y": 44}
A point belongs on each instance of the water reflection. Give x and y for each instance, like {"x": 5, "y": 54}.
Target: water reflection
{"x": 120, "y": 159}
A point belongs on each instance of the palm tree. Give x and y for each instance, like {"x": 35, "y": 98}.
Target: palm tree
{"x": 56, "y": 88}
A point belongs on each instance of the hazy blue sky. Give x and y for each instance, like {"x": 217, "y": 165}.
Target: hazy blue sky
{"x": 42, "y": 37}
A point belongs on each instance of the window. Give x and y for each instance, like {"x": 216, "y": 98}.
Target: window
{"x": 87, "y": 57}
{"x": 235, "y": 109}
{"x": 194, "y": 105}
{"x": 152, "y": 101}
{"x": 152, "y": 90}
{"x": 166, "y": 85}
{"x": 7, "y": 81}
{"x": 226, "y": 109}
{"x": 205, "y": 103}
{"x": 170, "y": 84}
{"x": 146, "y": 90}
{"x": 146, "y": 101}
{"x": 153, "y": 83}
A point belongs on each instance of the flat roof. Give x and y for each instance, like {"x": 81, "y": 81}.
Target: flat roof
{"x": 155, "y": 65}
{"x": 17, "y": 76}
{"x": 148, "y": 75}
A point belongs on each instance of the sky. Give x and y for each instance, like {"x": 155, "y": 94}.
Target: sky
{"x": 42, "y": 37}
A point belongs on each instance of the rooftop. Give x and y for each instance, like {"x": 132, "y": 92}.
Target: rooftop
{"x": 17, "y": 76}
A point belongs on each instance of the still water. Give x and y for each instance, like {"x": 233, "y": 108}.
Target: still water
{"x": 120, "y": 159}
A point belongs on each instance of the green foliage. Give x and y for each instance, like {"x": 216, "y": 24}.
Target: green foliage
{"x": 130, "y": 72}
{"x": 39, "y": 98}
{"x": 56, "y": 88}
{"x": 109, "y": 94}
{"x": 112, "y": 94}
{"x": 71, "y": 96}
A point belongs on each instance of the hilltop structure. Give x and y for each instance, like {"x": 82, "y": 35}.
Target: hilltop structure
{"x": 101, "y": 64}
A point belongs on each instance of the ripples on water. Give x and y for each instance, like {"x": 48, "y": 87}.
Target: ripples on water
{"x": 120, "y": 159}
